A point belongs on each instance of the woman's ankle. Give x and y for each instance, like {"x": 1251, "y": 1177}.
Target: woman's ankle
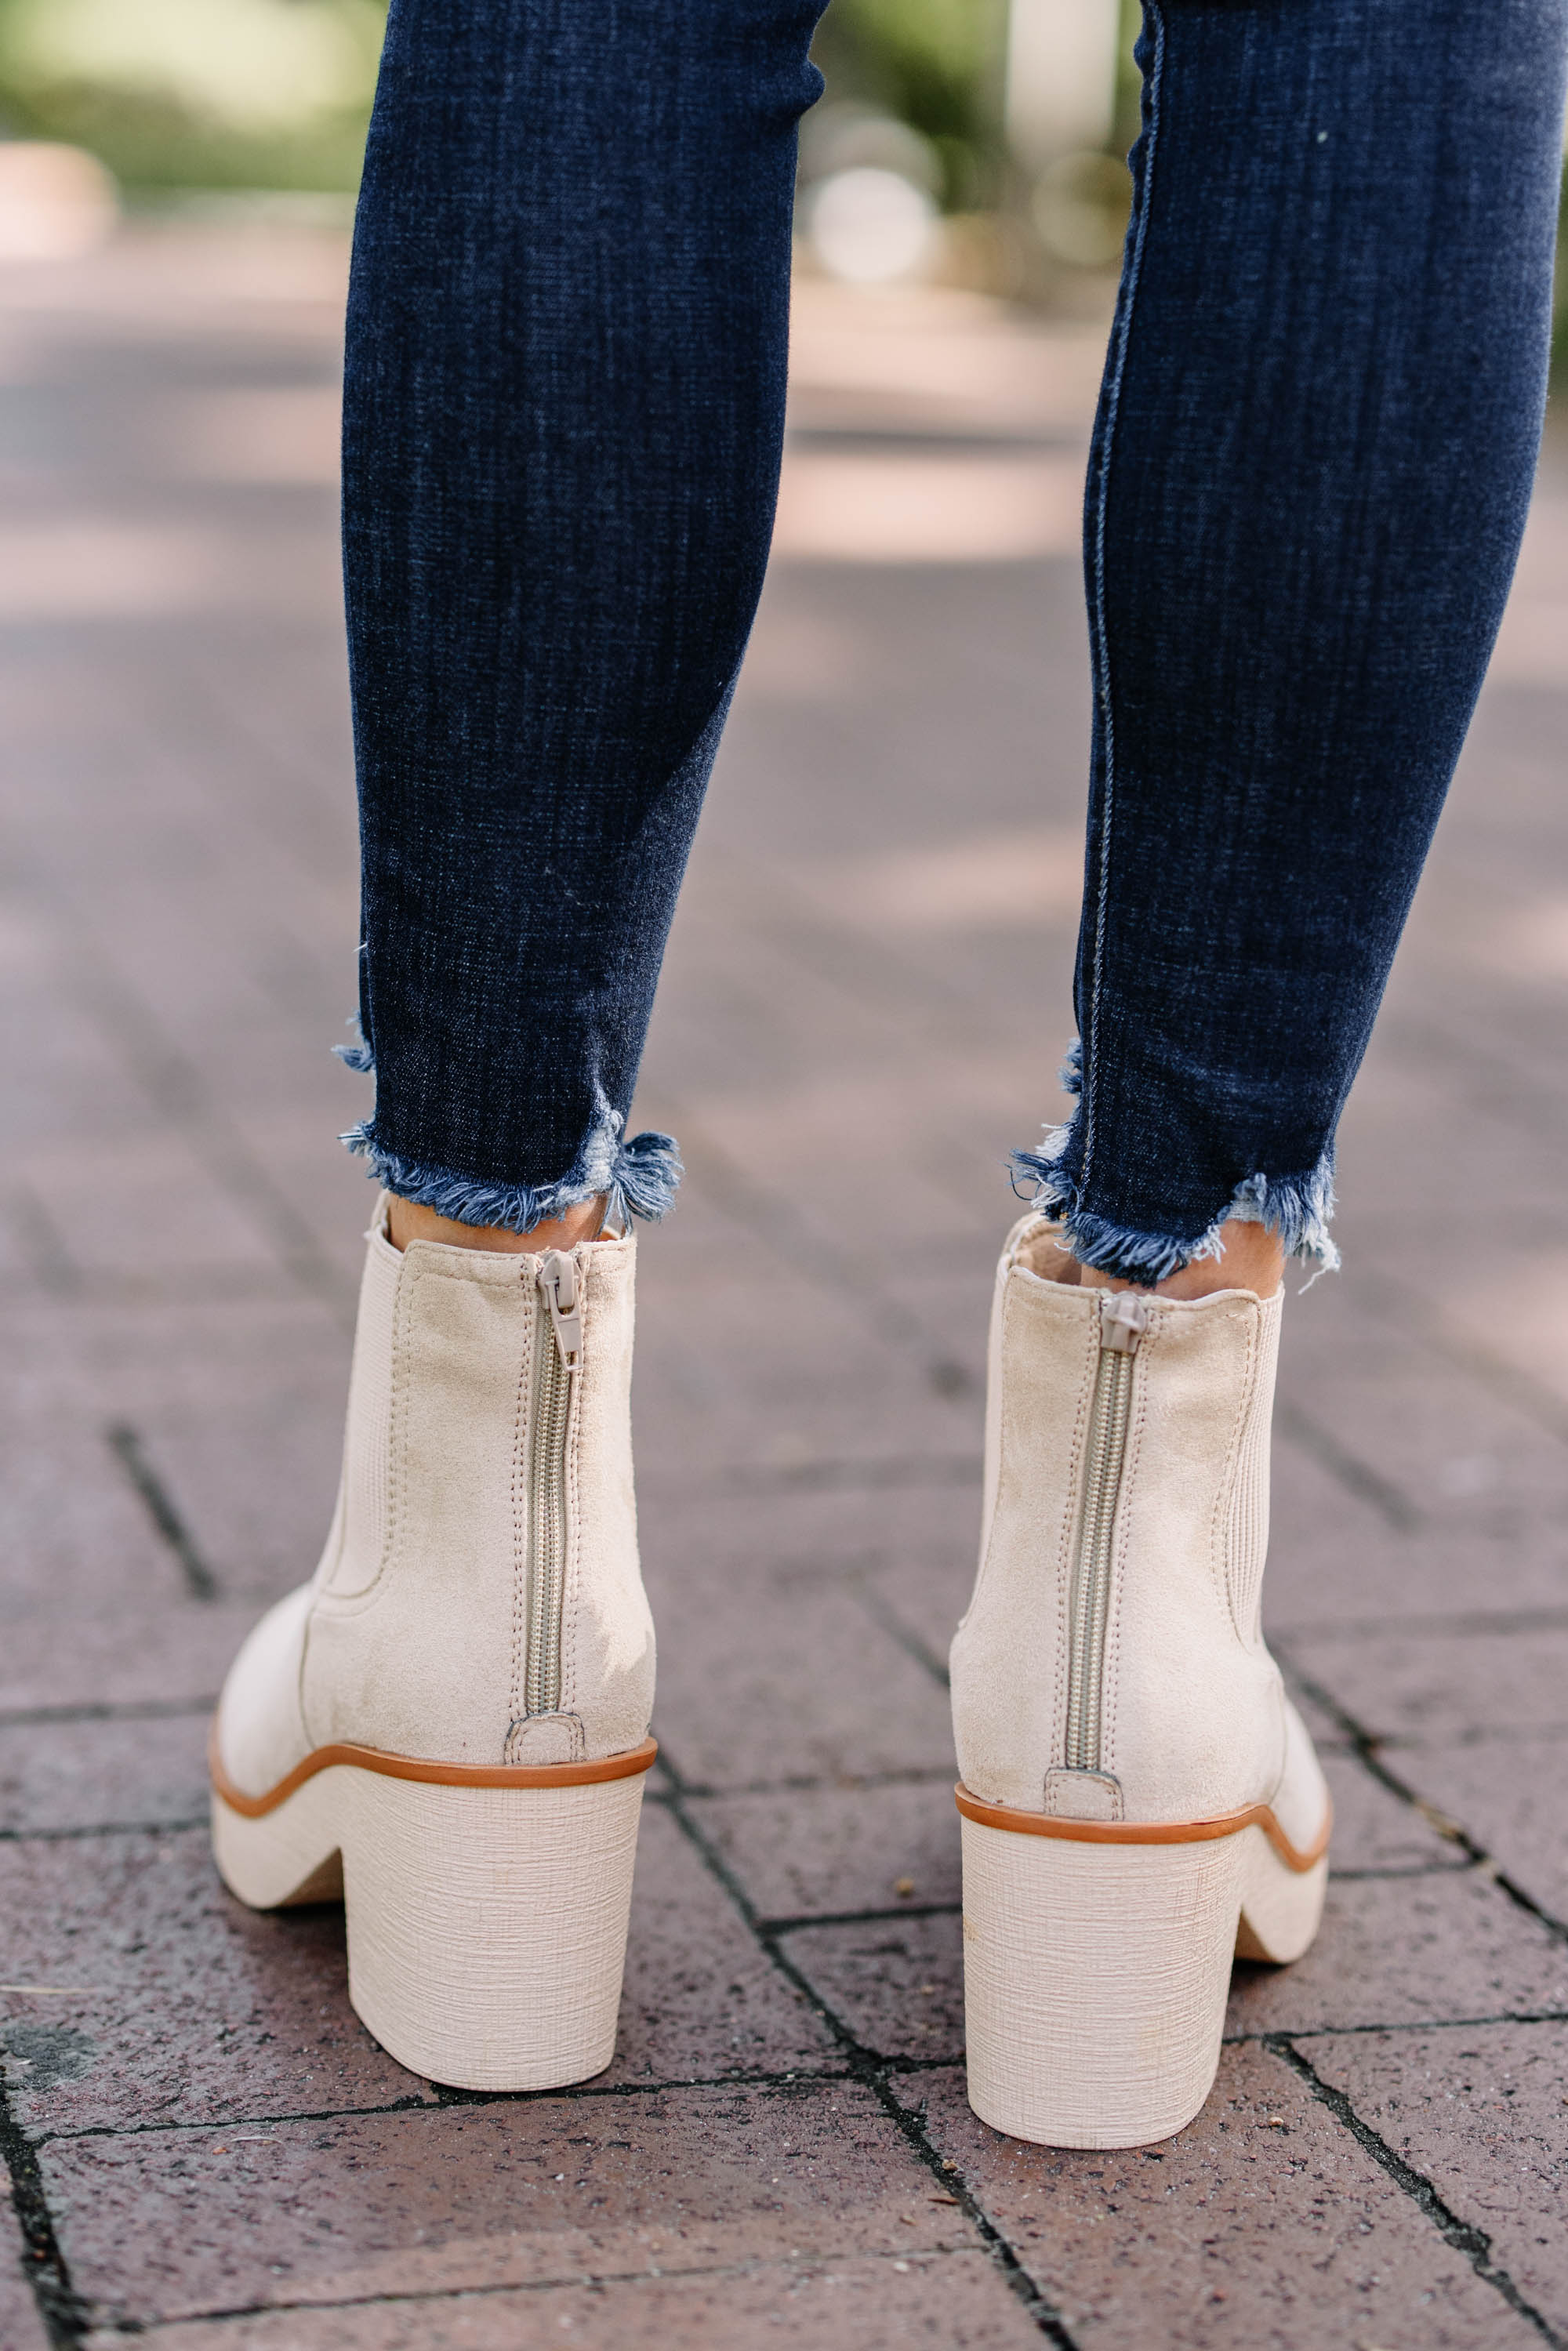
{"x": 1252, "y": 1258}
{"x": 409, "y": 1220}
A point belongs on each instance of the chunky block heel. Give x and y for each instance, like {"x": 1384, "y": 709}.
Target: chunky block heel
{"x": 447, "y": 1725}
{"x": 487, "y": 1912}
{"x": 1141, "y": 1802}
{"x": 1096, "y": 1972}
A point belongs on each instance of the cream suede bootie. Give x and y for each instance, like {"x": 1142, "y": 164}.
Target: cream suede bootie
{"x": 449, "y": 1722}
{"x": 1140, "y": 1799}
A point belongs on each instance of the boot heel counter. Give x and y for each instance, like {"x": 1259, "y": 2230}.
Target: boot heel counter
{"x": 418, "y": 1660}
{"x": 608, "y": 1653}
{"x": 1161, "y": 1699}
{"x": 1008, "y": 1657}
{"x": 1191, "y": 1710}
{"x": 357, "y": 1545}
{"x": 1246, "y": 1514}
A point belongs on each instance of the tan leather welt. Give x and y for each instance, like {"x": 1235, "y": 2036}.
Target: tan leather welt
{"x": 439, "y": 1775}
{"x": 1047, "y": 1824}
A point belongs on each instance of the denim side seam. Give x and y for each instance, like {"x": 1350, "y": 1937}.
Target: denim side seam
{"x": 1099, "y": 634}
{"x": 1296, "y": 1207}
{"x": 638, "y": 1178}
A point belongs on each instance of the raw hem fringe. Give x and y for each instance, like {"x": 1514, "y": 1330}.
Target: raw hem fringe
{"x": 1297, "y": 1207}
{"x": 638, "y": 1178}
{"x": 357, "y": 1056}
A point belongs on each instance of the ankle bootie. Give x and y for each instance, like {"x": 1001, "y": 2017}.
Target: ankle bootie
{"x": 449, "y": 1723}
{"x": 1140, "y": 1799}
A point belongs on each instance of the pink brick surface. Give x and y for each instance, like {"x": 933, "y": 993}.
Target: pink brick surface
{"x": 1401, "y": 1951}
{"x": 227, "y": 2160}
{"x": 700, "y": 1997}
{"x": 21, "y": 2327}
{"x": 537, "y": 2192}
{"x": 1414, "y": 1687}
{"x": 185, "y": 2003}
{"x": 141, "y": 1769}
{"x": 1481, "y": 2112}
{"x": 773, "y": 1672}
{"x": 955, "y": 2303}
{"x": 1511, "y": 1793}
{"x": 117, "y": 1653}
{"x": 1261, "y": 2222}
{"x": 898, "y": 1983}
{"x": 802, "y": 1852}
{"x": 1373, "y": 1829}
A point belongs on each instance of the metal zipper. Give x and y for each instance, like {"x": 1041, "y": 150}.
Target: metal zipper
{"x": 557, "y": 1357}
{"x": 1123, "y": 1317}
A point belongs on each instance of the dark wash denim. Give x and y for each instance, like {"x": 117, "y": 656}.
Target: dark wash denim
{"x": 563, "y": 413}
{"x": 1311, "y": 463}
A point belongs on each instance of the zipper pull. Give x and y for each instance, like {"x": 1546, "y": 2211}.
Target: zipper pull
{"x": 559, "y": 1278}
{"x": 1124, "y": 1319}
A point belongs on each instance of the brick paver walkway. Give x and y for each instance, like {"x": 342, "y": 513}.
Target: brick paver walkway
{"x": 867, "y": 993}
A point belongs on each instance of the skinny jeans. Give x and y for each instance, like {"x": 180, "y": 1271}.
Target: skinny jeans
{"x": 563, "y": 417}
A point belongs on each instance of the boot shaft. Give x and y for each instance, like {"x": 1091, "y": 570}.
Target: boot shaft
{"x": 479, "y": 1598}
{"x": 1111, "y": 1666}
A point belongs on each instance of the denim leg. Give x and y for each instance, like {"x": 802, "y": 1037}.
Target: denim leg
{"x": 1312, "y": 464}
{"x": 563, "y": 412}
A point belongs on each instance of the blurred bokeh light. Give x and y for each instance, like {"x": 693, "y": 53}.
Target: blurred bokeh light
{"x": 55, "y": 202}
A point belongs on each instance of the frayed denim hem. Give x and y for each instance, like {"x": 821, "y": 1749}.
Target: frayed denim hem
{"x": 638, "y": 1178}
{"x": 1297, "y": 1207}
{"x": 357, "y": 1056}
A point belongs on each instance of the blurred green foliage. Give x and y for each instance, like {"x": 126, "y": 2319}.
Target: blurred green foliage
{"x": 935, "y": 65}
{"x": 275, "y": 93}
{"x": 197, "y": 93}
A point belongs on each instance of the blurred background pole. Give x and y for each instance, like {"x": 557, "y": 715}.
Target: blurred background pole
{"x": 1067, "y": 83}
{"x": 1061, "y": 64}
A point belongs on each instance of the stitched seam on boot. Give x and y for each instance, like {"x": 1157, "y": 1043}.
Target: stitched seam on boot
{"x": 983, "y": 1571}
{"x": 1253, "y": 1461}
{"x": 1071, "y": 1513}
{"x": 310, "y": 1740}
{"x": 1111, "y": 1664}
{"x": 354, "y": 1604}
{"x": 1281, "y": 1702}
{"x": 990, "y": 1502}
{"x": 1219, "y": 1562}
{"x": 366, "y": 1483}
{"x": 397, "y": 1436}
{"x": 516, "y": 1691}
{"x": 571, "y": 1565}
{"x": 1270, "y": 1322}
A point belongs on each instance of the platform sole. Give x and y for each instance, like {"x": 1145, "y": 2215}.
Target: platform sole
{"x": 487, "y": 1924}
{"x": 1096, "y": 1973}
